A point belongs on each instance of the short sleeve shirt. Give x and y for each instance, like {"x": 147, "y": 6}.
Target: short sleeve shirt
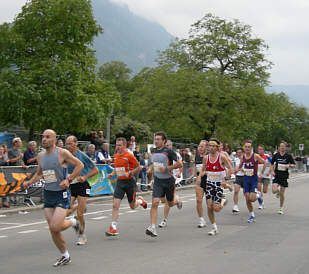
{"x": 13, "y": 153}
{"x": 88, "y": 164}
{"x": 163, "y": 157}
{"x": 124, "y": 163}
{"x": 279, "y": 161}
{"x": 29, "y": 155}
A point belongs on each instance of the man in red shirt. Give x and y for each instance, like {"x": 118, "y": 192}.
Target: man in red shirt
{"x": 126, "y": 166}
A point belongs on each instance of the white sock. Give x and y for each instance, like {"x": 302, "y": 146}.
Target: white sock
{"x": 114, "y": 225}
{"x": 74, "y": 221}
{"x": 66, "y": 254}
{"x": 139, "y": 201}
{"x": 153, "y": 226}
{"x": 214, "y": 226}
{"x": 202, "y": 219}
{"x": 252, "y": 214}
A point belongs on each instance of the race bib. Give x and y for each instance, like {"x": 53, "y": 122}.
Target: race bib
{"x": 199, "y": 167}
{"x": 65, "y": 195}
{"x": 88, "y": 191}
{"x": 49, "y": 176}
{"x": 215, "y": 177}
{"x": 282, "y": 167}
{"x": 248, "y": 172}
{"x": 156, "y": 166}
{"x": 121, "y": 171}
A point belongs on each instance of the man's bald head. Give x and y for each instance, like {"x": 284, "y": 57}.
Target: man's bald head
{"x": 49, "y": 138}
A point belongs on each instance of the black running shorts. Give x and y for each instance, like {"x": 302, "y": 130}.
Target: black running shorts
{"x": 281, "y": 181}
{"x": 80, "y": 189}
{"x": 126, "y": 187}
{"x": 164, "y": 188}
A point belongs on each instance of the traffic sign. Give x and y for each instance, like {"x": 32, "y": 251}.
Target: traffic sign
{"x": 301, "y": 146}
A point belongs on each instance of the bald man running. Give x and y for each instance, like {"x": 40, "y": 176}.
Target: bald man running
{"x": 52, "y": 168}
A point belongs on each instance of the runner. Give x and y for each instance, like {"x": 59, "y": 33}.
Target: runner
{"x": 51, "y": 165}
{"x": 239, "y": 180}
{"x": 80, "y": 188}
{"x": 126, "y": 166}
{"x": 264, "y": 180}
{"x": 199, "y": 191}
{"x": 164, "y": 182}
{"x": 224, "y": 183}
{"x": 177, "y": 174}
{"x": 282, "y": 161}
{"x": 214, "y": 164}
{"x": 249, "y": 165}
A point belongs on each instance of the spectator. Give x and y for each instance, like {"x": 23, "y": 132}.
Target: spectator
{"x": 132, "y": 142}
{"x": 94, "y": 140}
{"x": 130, "y": 149}
{"x": 15, "y": 155}
{"x": 186, "y": 159}
{"x": 91, "y": 152}
{"x": 59, "y": 143}
{"x": 145, "y": 164}
{"x": 305, "y": 162}
{"x": 5, "y": 150}
{"x": 137, "y": 153}
{"x": 3, "y": 162}
{"x": 103, "y": 155}
{"x": 30, "y": 156}
{"x": 100, "y": 138}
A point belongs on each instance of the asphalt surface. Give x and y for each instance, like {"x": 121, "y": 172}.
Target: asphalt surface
{"x": 274, "y": 244}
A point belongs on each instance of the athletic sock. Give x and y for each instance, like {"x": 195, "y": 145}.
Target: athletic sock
{"x": 214, "y": 225}
{"x": 153, "y": 226}
{"x": 114, "y": 225}
{"x": 252, "y": 214}
{"x": 202, "y": 219}
{"x": 65, "y": 254}
{"x": 74, "y": 221}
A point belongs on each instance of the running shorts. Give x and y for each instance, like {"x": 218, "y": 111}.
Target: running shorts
{"x": 239, "y": 181}
{"x": 164, "y": 188}
{"x": 127, "y": 186}
{"x": 250, "y": 184}
{"x": 264, "y": 181}
{"x": 214, "y": 191}
{"x": 281, "y": 181}
{"x": 53, "y": 199}
{"x": 80, "y": 189}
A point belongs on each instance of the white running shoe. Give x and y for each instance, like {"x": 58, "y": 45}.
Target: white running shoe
{"x": 213, "y": 232}
{"x": 82, "y": 240}
{"x": 280, "y": 211}
{"x": 163, "y": 223}
{"x": 151, "y": 231}
{"x": 235, "y": 209}
{"x": 179, "y": 204}
{"x": 201, "y": 224}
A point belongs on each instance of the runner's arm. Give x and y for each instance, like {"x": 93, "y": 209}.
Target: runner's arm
{"x": 92, "y": 172}
{"x": 257, "y": 157}
{"x": 37, "y": 176}
{"x": 178, "y": 164}
{"x": 227, "y": 163}
{"x": 78, "y": 165}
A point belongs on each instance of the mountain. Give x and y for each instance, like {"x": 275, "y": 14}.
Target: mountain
{"x": 127, "y": 37}
{"x": 298, "y": 93}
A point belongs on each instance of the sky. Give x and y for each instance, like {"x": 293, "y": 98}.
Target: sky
{"x": 283, "y": 24}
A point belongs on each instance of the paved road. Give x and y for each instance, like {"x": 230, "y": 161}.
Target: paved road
{"x": 274, "y": 244}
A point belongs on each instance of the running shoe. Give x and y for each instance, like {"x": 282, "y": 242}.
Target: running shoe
{"x": 235, "y": 209}
{"x": 82, "y": 240}
{"x": 261, "y": 206}
{"x": 77, "y": 227}
{"x": 280, "y": 211}
{"x": 213, "y": 232}
{"x": 201, "y": 224}
{"x": 163, "y": 223}
{"x": 179, "y": 204}
{"x": 225, "y": 201}
{"x": 143, "y": 202}
{"x": 62, "y": 261}
{"x": 251, "y": 219}
{"x": 111, "y": 232}
{"x": 151, "y": 231}
{"x": 260, "y": 200}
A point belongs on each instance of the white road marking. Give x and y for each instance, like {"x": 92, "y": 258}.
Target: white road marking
{"x": 1, "y": 237}
{"x": 99, "y": 218}
{"x": 24, "y": 225}
{"x": 10, "y": 223}
{"x": 27, "y": 231}
{"x": 131, "y": 211}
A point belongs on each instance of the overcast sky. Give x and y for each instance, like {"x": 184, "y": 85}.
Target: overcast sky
{"x": 283, "y": 24}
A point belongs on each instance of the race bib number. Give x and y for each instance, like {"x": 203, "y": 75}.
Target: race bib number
{"x": 49, "y": 176}
{"x": 121, "y": 171}
{"x": 88, "y": 191}
{"x": 282, "y": 167}
{"x": 199, "y": 167}
{"x": 214, "y": 176}
{"x": 65, "y": 195}
{"x": 248, "y": 172}
{"x": 156, "y": 166}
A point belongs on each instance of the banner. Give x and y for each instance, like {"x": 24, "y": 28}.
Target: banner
{"x": 100, "y": 184}
{"x": 11, "y": 179}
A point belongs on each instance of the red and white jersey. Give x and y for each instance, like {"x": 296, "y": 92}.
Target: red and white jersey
{"x": 215, "y": 171}
{"x": 260, "y": 166}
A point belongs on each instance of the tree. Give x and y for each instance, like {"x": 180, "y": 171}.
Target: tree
{"x": 218, "y": 45}
{"x": 51, "y": 79}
